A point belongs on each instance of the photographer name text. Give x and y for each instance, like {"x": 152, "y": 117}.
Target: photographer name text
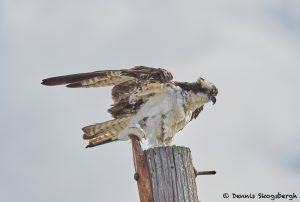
{"x": 278, "y": 195}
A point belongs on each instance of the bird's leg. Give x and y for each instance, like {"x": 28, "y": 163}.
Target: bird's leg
{"x": 137, "y": 131}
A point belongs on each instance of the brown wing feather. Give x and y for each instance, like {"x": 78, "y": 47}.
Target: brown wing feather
{"x": 131, "y": 95}
{"x": 196, "y": 112}
{"x": 110, "y": 77}
{"x": 91, "y": 79}
{"x": 121, "y": 94}
{"x": 149, "y": 73}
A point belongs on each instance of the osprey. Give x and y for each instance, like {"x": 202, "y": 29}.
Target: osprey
{"x": 146, "y": 103}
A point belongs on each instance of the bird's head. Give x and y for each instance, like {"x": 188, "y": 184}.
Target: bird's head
{"x": 208, "y": 88}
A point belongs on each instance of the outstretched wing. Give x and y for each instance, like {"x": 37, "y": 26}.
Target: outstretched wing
{"x": 110, "y": 77}
{"x": 131, "y": 88}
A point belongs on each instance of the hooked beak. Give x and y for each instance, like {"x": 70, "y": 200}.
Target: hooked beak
{"x": 213, "y": 99}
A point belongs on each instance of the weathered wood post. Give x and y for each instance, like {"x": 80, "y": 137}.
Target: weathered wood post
{"x": 172, "y": 174}
{"x": 141, "y": 171}
{"x": 165, "y": 174}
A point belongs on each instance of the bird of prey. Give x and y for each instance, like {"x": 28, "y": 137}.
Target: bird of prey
{"x": 146, "y": 103}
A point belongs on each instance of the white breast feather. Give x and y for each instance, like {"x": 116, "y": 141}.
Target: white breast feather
{"x": 170, "y": 103}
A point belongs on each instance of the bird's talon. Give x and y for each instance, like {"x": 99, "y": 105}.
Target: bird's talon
{"x": 137, "y": 131}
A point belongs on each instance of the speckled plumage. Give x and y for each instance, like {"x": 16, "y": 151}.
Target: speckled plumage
{"x": 146, "y": 103}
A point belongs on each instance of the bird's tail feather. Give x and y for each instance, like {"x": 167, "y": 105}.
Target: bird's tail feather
{"x": 105, "y": 132}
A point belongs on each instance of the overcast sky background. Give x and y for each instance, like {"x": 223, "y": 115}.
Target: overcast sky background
{"x": 249, "y": 49}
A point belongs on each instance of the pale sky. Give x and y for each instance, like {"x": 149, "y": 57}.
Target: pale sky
{"x": 249, "y": 49}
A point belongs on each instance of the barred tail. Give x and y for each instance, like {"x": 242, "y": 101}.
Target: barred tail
{"x": 105, "y": 132}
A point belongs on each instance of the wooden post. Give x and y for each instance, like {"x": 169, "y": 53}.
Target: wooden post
{"x": 165, "y": 174}
{"x": 172, "y": 174}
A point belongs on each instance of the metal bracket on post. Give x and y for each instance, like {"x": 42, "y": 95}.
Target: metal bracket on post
{"x": 210, "y": 172}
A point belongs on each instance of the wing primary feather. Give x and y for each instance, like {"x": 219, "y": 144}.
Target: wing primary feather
{"x": 75, "y": 85}
{"x": 101, "y": 143}
{"x": 59, "y": 80}
{"x": 78, "y": 78}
